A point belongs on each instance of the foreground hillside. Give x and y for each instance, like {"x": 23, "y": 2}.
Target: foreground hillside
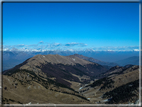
{"x": 24, "y": 86}
{"x": 117, "y": 87}
{"x": 68, "y": 80}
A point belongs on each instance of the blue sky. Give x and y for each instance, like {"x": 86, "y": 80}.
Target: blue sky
{"x": 59, "y": 26}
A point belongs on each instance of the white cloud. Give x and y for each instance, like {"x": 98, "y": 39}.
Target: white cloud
{"x": 136, "y": 49}
{"x": 41, "y": 42}
{"x": 56, "y": 44}
{"x": 20, "y": 45}
{"x": 43, "y": 46}
{"x": 75, "y": 44}
{"x": 71, "y": 44}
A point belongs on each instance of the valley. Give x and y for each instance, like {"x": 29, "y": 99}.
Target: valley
{"x": 56, "y": 79}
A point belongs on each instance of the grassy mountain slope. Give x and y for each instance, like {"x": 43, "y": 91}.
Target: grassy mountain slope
{"x": 24, "y": 86}
{"x": 61, "y": 68}
{"x": 99, "y": 91}
{"x": 68, "y": 80}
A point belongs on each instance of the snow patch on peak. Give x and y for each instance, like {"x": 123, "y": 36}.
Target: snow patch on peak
{"x": 73, "y": 59}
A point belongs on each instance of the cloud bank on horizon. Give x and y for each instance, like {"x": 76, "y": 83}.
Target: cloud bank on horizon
{"x": 73, "y": 46}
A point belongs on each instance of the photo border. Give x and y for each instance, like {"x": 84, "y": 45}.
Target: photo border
{"x": 74, "y": 1}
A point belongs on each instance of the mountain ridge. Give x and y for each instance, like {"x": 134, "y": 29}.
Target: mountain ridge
{"x": 134, "y": 60}
{"x": 12, "y": 58}
{"x": 96, "y": 60}
{"x": 68, "y": 80}
{"x": 60, "y": 67}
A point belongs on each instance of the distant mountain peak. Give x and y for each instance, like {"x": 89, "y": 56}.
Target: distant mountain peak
{"x": 58, "y": 59}
{"x": 134, "y": 60}
{"x": 95, "y": 60}
{"x": 60, "y": 67}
